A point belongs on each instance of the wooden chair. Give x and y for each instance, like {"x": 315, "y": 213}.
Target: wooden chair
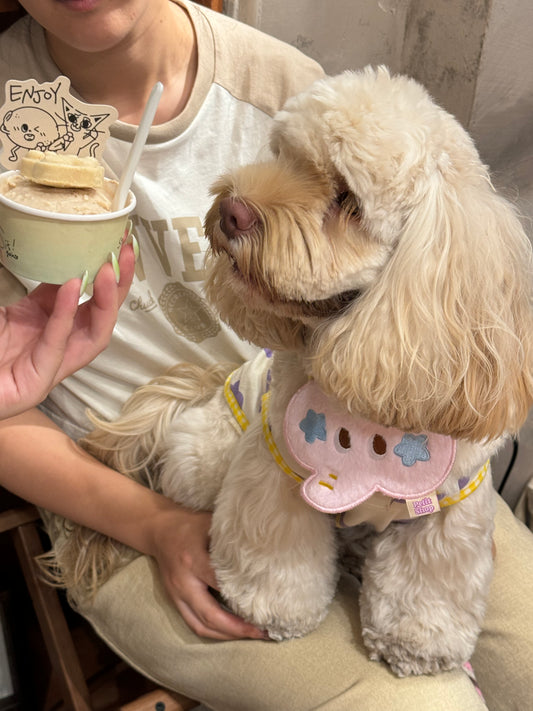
{"x": 23, "y": 522}
{"x": 212, "y": 4}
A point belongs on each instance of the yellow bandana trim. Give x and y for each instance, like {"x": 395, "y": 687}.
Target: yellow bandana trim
{"x": 278, "y": 458}
{"x": 273, "y": 447}
{"x": 468, "y": 489}
{"x": 237, "y": 410}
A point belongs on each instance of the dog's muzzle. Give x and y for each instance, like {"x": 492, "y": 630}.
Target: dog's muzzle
{"x": 237, "y": 220}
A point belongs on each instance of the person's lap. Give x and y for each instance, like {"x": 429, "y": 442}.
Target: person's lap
{"x": 503, "y": 660}
{"x": 329, "y": 668}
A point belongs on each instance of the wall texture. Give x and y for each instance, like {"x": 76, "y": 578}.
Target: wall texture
{"x": 474, "y": 56}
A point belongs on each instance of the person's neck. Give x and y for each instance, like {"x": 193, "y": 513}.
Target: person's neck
{"x": 126, "y": 73}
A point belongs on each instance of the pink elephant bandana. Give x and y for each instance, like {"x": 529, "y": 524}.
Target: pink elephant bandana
{"x": 351, "y": 458}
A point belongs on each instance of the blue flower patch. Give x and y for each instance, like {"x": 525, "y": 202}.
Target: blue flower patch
{"x": 314, "y": 426}
{"x": 412, "y": 449}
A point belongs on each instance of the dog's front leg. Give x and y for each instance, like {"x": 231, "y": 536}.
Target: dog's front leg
{"x": 198, "y": 449}
{"x": 274, "y": 556}
{"x": 425, "y": 585}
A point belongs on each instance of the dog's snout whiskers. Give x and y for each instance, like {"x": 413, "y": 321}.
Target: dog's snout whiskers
{"x": 236, "y": 217}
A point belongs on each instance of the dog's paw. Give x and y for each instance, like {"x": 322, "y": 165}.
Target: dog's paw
{"x": 278, "y": 600}
{"x": 278, "y": 630}
{"x": 409, "y": 657}
{"x": 278, "y": 624}
{"x": 277, "y": 616}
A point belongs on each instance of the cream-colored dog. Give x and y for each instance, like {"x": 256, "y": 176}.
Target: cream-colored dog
{"x": 393, "y": 284}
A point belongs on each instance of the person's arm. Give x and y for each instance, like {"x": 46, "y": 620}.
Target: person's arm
{"x": 41, "y": 464}
{"x": 46, "y": 336}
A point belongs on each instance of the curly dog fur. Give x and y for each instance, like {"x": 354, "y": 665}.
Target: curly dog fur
{"x": 374, "y": 256}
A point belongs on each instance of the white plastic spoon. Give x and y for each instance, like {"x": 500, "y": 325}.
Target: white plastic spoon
{"x": 124, "y": 184}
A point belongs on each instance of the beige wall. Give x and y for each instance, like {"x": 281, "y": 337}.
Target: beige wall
{"x": 474, "y": 56}
{"x": 502, "y": 117}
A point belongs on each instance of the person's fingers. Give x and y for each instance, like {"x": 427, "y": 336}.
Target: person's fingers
{"x": 202, "y": 569}
{"x": 182, "y": 553}
{"x": 126, "y": 262}
{"x": 50, "y": 348}
{"x": 45, "y": 295}
{"x": 206, "y": 618}
{"x": 96, "y": 318}
{"x": 106, "y": 283}
{"x": 108, "y": 296}
{"x": 200, "y": 608}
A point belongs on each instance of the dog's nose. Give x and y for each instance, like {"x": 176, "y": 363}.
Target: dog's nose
{"x": 236, "y": 218}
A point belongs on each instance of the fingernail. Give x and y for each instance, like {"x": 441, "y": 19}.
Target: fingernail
{"x": 116, "y": 268}
{"x": 127, "y": 231}
{"x": 84, "y": 282}
{"x": 135, "y": 246}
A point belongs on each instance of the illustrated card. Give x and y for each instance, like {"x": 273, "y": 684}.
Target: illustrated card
{"x": 46, "y": 117}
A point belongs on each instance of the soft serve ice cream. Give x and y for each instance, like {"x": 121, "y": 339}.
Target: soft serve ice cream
{"x": 60, "y": 183}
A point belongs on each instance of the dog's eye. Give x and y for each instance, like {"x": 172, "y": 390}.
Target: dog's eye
{"x": 348, "y": 204}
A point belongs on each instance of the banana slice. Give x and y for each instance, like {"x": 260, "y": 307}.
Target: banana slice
{"x": 62, "y": 170}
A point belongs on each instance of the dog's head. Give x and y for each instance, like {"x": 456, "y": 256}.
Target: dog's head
{"x": 375, "y": 243}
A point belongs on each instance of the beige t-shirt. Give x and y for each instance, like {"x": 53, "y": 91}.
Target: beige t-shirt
{"x": 244, "y": 76}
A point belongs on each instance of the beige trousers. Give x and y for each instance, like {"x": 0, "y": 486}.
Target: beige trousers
{"x": 328, "y": 669}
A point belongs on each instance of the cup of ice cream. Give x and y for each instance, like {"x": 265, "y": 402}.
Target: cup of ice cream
{"x": 50, "y": 232}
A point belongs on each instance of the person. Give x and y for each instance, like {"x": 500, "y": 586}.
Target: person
{"x": 223, "y": 81}
{"x": 46, "y": 335}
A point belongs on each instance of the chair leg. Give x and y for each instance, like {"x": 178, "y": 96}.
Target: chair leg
{"x": 54, "y": 628}
{"x": 160, "y": 699}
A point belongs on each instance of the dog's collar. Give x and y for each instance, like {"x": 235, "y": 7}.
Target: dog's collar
{"x": 392, "y": 508}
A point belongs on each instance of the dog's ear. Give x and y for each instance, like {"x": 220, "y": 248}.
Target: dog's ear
{"x": 443, "y": 340}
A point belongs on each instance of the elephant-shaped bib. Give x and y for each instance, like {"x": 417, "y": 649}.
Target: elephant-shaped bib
{"x": 351, "y": 458}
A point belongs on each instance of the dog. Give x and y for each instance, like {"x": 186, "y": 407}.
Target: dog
{"x": 390, "y": 286}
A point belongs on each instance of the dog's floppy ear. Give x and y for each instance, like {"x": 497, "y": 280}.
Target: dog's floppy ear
{"x": 443, "y": 340}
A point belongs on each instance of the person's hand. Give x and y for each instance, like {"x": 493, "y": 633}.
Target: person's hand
{"x": 46, "y": 336}
{"x": 182, "y": 555}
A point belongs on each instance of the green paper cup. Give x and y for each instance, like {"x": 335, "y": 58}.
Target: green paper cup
{"x": 53, "y": 247}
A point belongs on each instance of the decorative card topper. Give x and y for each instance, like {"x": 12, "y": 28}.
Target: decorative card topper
{"x": 352, "y": 458}
{"x": 46, "y": 117}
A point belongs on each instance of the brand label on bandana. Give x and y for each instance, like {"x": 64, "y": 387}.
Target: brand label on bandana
{"x": 351, "y": 458}
{"x": 423, "y": 506}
